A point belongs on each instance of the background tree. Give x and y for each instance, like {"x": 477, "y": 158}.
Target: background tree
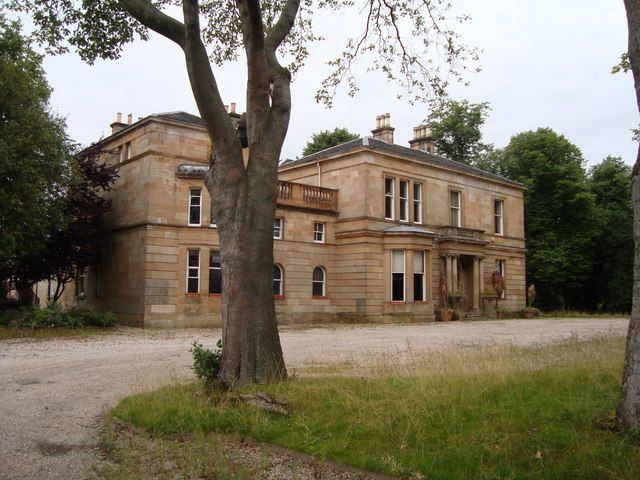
{"x": 273, "y": 35}
{"x": 35, "y": 155}
{"x": 455, "y": 126}
{"x": 560, "y": 215}
{"x": 609, "y": 288}
{"x": 326, "y": 139}
{"x": 629, "y": 407}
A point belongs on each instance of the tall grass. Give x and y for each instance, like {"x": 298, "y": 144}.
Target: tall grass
{"x": 491, "y": 412}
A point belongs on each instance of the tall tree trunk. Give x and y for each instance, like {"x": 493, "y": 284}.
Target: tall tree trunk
{"x": 252, "y": 352}
{"x": 629, "y": 407}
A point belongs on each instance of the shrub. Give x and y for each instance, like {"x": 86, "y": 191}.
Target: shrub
{"x": 90, "y": 317}
{"x": 40, "y": 318}
{"x": 70, "y": 321}
{"x": 206, "y": 364}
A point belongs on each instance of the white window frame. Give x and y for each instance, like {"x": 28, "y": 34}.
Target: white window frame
{"x": 50, "y": 289}
{"x": 80, "y": 282}
{"x": 498, "y": 217}
{"x": 214, "y": 268}
{"x": 278, "y": 228}
{"x": 417, "y": 203}
{"x": 423, "y": 275}
{"x": 455, "y": 209}
{"x": 404, "y": 200}
{"x": 389, "y": 195}
{"x": 196, "y": 268}
{"x": 319, "y": 232}
{"x": 404, "y": 275}
{"x": 192, "y": 206}
{"x": 280, "y": 281}
{"x": 323, "y": 282}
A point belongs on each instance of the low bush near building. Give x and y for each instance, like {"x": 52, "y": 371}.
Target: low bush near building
{"x": 206, "y": 364}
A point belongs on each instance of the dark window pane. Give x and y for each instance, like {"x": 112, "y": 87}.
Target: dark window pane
{"x": 418, "y": 287}
{"x": 388, "y": 207}
{"x": 277, "y": 273}
{"x": 317, "y": 289}
{"x": 403, "y": 209}
{"x": 192, "y": 285}
{"x": 397, "y": 287}
{"x": 215, "y": 280}
{"x": 318, "y": 275}
{"x": 214, "y": 259}
{"x": 276, "y": 287}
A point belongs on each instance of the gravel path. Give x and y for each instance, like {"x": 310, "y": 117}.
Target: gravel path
{"x": 52, "y": 393}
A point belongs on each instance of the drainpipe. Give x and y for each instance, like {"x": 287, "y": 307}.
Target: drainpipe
{"x": 319, "y": 180}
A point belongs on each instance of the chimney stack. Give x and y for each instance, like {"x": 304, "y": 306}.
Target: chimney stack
{"x": 383, "y": 130}
{"x": 423, "y": 139}
{"x": 129, "y": 119}
{"x": 117, "y": 125}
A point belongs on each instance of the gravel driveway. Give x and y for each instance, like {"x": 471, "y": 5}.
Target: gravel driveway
{"x": 52, "y": 393}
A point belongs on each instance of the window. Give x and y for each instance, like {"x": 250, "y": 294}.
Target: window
{"x": 278, "y": 284}
{"x": 80, "y": 274}
{"x": 215, "y": 273}
{"x": 195, "y": 206}
{"x": 98, "y": 281}
{"x": 193, "y": 271}
{"x": 498, "y": 209}
{"x": 454, "y": 202}
{"x": 397, "y": 275}
{"x": 318, "y": 282}
{"x": 419, "y": 284}
{"x": 500, "y": 264}
{"x": 318, "y": 232}
{"x": 278, "y": 224}
{"x": 388, "y": 197}
{"x": 417, "y": 202}
{"x": 212, "y": 218}
{"x": 50, "y": 290}
{"x": 404, "y": 200}
{"x": 125, "y": 151}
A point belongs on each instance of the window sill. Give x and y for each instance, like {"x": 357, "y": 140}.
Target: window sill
{"x": 398, "y": 302}
{"x": 421, "y": 302}
{"x": 191, "y": 295}
{"x": 278, "y": 297}
{"x": 319, "y": 297}
{"x": 215, "y": 295}
{"x": 318, "y": 241}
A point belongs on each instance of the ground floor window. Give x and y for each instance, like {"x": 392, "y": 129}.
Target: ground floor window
{"x": 319, "y": 287}
{"x": 419, "y": 277}
{"x": 397, "y": 276}
{"x": 500, "y": 268}
{"x": 80, "y": 282}
{"x": 215, "y": 272}
{"x": 193, "y": 271}
{"x": 278, "y": 284}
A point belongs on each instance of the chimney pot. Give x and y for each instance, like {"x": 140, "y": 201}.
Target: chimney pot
{"x": 129, "y": 119}
{"x": 233, "y": 107}
{"x": 119, "y": 117}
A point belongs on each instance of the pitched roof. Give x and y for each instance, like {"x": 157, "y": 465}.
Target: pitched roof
{"x": 399, "y": 150}
{"x": 179, "y": 116}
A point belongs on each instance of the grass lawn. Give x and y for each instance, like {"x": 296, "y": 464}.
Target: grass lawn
{"x": 11, "y": 333}
{"x": 491, "y": 412}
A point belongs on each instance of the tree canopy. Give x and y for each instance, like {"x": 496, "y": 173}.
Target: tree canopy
{"x": 561, "y": 218}
{"x": 326, "y": 139}
{"x": 456, "y": 128}
{"x": 35, "y": 154}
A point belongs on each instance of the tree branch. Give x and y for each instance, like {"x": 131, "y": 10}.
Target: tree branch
{"x": 284, "y": 24}
{"x": 151, "y": 17}
{"x": 205, "y": 89}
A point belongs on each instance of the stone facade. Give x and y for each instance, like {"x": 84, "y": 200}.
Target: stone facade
{"x": 383, "y": 222}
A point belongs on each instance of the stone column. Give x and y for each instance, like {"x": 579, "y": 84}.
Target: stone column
{"x": 454, "y": 273}
{"x": 449, "y": 275}
{"x": 476, "y": 283}
{"x": 481, "y": 279}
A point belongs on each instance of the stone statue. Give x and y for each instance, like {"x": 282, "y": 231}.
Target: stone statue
{"x": 443, "y": 290}
{"x": 497, "y": 281}
{"x": 531, "y": 294}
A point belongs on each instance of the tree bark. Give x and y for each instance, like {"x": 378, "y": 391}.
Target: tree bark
{"x": 629, "y": 407}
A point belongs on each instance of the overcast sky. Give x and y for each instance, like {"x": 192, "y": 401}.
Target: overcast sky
{"x": 544, "y": 64}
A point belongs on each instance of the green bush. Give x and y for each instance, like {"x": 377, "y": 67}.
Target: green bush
{"x": 92, "y": 318}
{"x": 206, "y": 364}
{"x": 41, "y": 318}
{"x": 77, "y": 316}
{"x": 70, "y": 321}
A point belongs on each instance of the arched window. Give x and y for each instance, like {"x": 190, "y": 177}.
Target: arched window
{"x": 278, "y": 280}
{"x": 319, "y": 282}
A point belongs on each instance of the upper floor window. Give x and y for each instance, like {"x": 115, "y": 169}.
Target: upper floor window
{"x": 193, "y": 271}
{"x": 498, "y": 215}
{"x": 419, "y": 277}
{"x": 388, "y": 197}
{"x": 319, "y": 286}
{"x": 404, "y": 200}
{"x": 397, "y": 276}
{"x": 318, "y": 232}
{"x": 215, "y": 273}
{"x": 125, "y": 151}
{"x": 454, "y": 203}
{"x": 195, "y": 206}
{"x": 278, "y": 228}
{"x": 417, "y": 202}
{"x": 278, "y": 283}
